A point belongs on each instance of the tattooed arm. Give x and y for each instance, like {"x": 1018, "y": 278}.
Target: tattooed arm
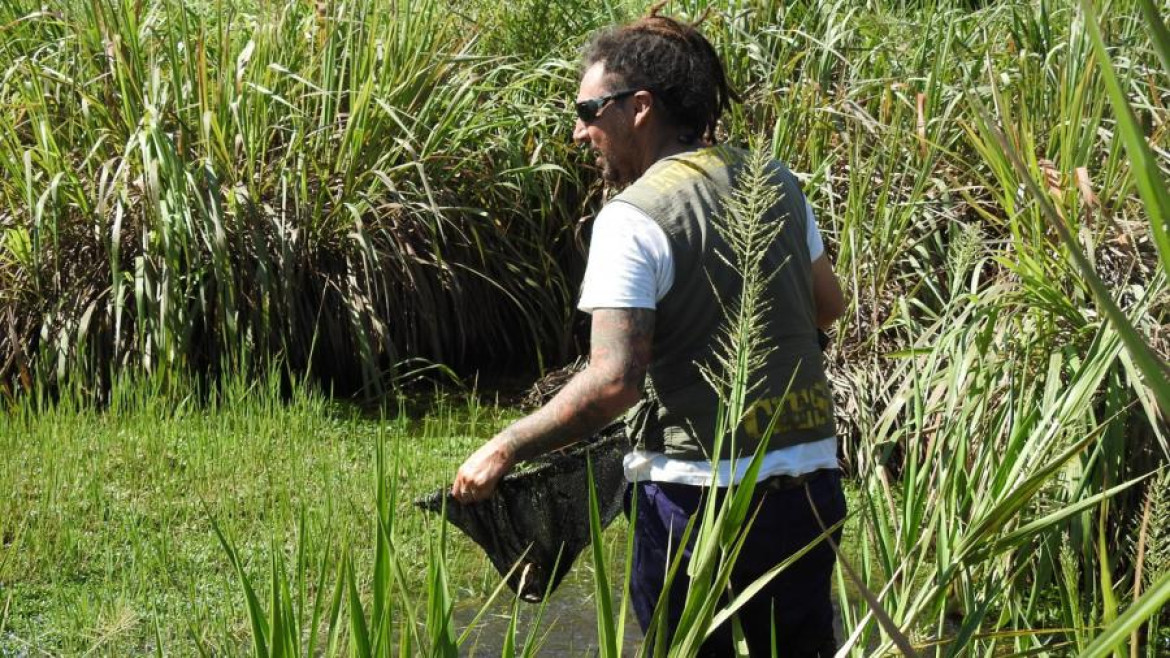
{"x": 618, "y": 357}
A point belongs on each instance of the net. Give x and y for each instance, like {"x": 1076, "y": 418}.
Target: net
{"x": 538, "y": 519}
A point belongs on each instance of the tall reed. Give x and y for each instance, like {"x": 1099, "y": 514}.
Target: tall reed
{"x": 218, "y": 187}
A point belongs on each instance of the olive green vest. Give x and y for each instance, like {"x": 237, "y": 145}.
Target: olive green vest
{"x": 678, "y": 414}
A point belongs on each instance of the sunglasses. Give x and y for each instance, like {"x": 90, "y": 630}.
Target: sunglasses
{"x": 588, "y": 110}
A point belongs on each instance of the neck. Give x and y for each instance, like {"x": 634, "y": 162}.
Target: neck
{"x": 666, "y": 145}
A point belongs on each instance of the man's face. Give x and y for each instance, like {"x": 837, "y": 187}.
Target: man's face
{"x": 609, "y": 134}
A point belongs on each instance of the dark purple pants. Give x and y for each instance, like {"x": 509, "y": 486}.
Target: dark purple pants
{"x": 797, "y": 601}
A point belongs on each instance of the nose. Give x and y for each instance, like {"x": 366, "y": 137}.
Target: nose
{"x": 580, "y": 133}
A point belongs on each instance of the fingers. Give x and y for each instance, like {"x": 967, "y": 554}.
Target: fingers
{"x": 472, "y": 484}
{"x": 478, "y": 476}
{"x": 466, "y": 491}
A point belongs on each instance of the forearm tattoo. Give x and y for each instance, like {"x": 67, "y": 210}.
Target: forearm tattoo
{"x": 620, "y": 352}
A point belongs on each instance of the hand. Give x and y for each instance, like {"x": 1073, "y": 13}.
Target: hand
{"x": 478, "y": 476}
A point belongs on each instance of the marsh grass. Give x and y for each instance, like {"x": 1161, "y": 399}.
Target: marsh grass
{"x": 212, "y": 188}
{"x": 219, "y": 188}
{"x": 106, "y": 515}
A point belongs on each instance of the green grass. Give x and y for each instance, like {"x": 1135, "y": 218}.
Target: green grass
{"x": 107, "y": 515}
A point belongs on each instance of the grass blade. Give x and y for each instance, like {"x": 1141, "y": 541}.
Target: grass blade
{"x": 1154, "y": 369}
{"x": 603, "y": 597}
{"x": 1147, "y": 174}
{"x": 1159, "y": 35}
{"x": 1150, "y": 604}
{"x": 256, "y": 614}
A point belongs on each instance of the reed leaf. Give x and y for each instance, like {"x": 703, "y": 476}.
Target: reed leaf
{"x": 1115, "y": 635}
{"x": 1147, "y": 175}
{"x": 1153, "y": 368}
{"x": 607, "y": 633}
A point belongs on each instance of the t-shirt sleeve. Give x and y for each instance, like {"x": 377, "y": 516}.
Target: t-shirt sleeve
{"x": 816, "y": 246}
{"x": 630, "y": 263}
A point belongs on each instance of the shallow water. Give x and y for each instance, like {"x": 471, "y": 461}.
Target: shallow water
{"x": 569, "y": 626}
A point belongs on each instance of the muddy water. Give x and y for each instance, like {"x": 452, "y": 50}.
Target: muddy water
{"x": 569, "y": 626}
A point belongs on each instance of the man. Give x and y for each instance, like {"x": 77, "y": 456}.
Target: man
{"x": 649, "y": 100}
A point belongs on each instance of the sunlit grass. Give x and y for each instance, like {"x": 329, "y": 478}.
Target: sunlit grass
{"x": 342, "y": 188}
{"x": 106, "y": 517}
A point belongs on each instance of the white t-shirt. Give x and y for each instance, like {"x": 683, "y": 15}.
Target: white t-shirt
{"x": 631, "y": 266}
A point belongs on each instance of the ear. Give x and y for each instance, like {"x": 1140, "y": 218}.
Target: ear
{"x": 644, "y": 108}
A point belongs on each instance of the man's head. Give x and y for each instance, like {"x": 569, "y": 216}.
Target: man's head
{"x": 653, "y": 79}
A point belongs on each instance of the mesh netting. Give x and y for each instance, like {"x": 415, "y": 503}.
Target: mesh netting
{"x": 539, "y": 518}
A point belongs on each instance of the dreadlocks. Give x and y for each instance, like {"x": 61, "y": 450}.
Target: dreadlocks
{"x": 675, "y": 63}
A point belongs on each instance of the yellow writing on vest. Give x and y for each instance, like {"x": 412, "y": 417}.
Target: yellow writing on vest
{"x": 802, "y": 409}
{"x": 677, "y": 171}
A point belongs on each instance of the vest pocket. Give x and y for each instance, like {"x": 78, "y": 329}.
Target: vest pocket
{"x": 642, "y": 425}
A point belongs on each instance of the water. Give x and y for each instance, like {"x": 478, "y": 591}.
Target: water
{"x": 569, "y": 626}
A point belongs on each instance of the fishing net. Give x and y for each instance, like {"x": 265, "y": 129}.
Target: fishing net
{"x": 538, "y": 519}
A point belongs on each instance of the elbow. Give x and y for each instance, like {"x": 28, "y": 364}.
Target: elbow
{"x": 619, "y": 389}
{"x": 830, "y": 312}
{"x": 623, "y": 394}
{"x": 630, "y": 396}
{"x": 828, "y": 298}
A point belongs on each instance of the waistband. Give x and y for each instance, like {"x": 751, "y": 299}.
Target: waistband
{"x": 775, "y": 483}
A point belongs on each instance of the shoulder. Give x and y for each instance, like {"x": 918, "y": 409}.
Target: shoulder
{"x": 623, "y": 221}
{"x": 617, "y": 213}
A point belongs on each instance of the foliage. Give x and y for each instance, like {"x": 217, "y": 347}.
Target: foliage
{"x": 196, "y": 190}
{"x": 216, "y": 188}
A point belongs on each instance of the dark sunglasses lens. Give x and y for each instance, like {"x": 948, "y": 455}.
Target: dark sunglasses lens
{"x": 587, "y": 110}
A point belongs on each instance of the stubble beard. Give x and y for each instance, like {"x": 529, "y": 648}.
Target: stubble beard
{"x": 609, "y": 173}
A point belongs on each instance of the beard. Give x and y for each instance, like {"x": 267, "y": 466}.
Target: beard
{"x": 610, "y": 173}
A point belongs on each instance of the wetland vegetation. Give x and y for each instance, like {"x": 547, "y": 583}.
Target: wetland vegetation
{"x": 225, "y": 225}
